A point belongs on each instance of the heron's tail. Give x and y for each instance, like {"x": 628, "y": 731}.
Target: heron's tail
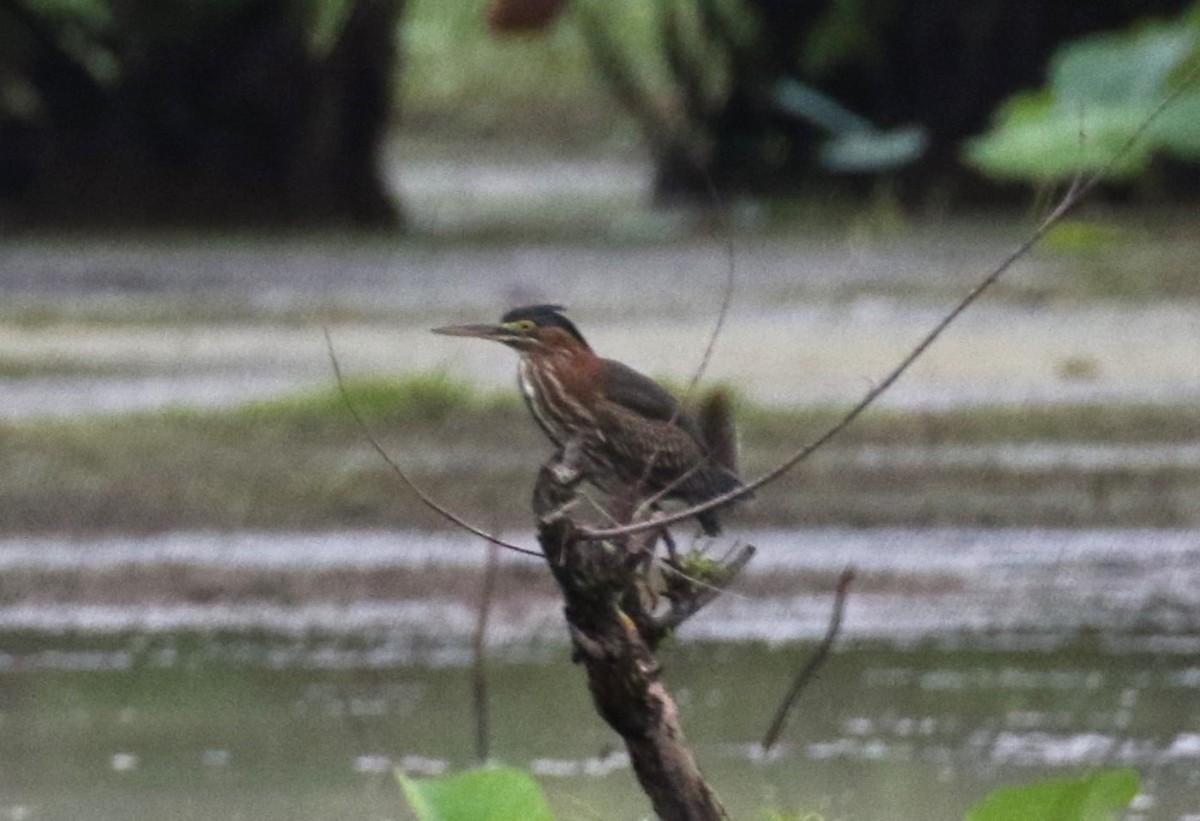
{"x": 715, "y": 417}
{"x": 719, "y": 435}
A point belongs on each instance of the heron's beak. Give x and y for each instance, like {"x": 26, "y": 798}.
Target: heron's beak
{"x": 496, "y": 332}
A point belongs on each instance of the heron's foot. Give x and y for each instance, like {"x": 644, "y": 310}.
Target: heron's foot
{"x": 565, "y": 474}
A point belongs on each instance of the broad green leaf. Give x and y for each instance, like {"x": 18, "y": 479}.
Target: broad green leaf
{"x": 1101, "y": 90}
{"x": 1097, "y": 797}
{"x": 1125, "y": 67}
{"x": 1056, "y": 146}
{"x": 1177, "y": 128}
{"x": 498, "y": 794}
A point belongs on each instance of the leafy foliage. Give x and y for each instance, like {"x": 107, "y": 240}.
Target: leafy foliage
{"x": 697, "y": 565}
{"x": 1092, "y": 798}
{"x": 497, "y": 794}
{"x": 853, "y": 143}
{"x": 1100, "y": 92}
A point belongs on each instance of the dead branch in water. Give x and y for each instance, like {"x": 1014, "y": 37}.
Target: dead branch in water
{"x": 814, "y": 662}
{"x": 479, "y": 689}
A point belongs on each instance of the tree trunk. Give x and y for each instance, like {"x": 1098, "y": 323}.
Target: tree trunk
{"x": 613, "y": 636}
{"x": 233, "y": 116}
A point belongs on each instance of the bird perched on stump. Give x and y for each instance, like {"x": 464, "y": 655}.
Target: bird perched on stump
{"x": 633, "y": 435}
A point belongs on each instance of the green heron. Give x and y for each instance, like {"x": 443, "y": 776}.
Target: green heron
{"x": 633, "y": 434}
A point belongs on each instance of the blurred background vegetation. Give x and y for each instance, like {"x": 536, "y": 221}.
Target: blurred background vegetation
{"x": 293, "y": 112}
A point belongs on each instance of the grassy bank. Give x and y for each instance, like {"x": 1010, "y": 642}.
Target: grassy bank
{"x": 302, "y": 463}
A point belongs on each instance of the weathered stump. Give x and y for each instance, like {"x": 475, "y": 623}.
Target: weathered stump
{"x": 610, "y": 613}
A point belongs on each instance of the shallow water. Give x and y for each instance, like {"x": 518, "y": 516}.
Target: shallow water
{"x": 913, "y": 584}
{"x": 970, "y": 658}
{"x": 801, "y": 355}
{"x": 219, "y": 726}
{"x": 67, "y": 398}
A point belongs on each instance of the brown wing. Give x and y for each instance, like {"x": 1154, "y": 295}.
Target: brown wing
{"x": 645, "y": 397}
{"x": 642, "y": 424}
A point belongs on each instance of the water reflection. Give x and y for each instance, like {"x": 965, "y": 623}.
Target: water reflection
{"x": 883, "y": 733}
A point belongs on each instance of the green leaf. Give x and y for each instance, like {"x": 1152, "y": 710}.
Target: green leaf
{"x": 496, "y": 794}
{"x": 1119, "y": 68}
{"x": 1176, "y": 127}
{"x": 1057, "y": 146}
{"x": 1096, "y": 797}
{"x": 1101, "y": 90}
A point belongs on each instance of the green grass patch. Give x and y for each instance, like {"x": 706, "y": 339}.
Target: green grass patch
{"x": 986, "y": 424}
{"x": 1083, "y": 237}
{"x": 421, "y": 399}
{"x": 301, "y": 462}
{"x": 771, "y": 426}
{"x": 493, "y": 794}
{"x": 50, "y": 367}
{"x": 1138, "y": 270}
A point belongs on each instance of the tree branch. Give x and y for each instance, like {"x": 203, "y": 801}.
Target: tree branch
{"x": 600, "y": 584}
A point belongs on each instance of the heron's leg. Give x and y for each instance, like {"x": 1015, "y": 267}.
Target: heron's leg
{"x": 669, "y": 541}
{"x": 566, "y": 470}
{"x": 567, "y": 464}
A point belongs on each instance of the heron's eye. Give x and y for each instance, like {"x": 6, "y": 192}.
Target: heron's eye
{"x": 522, "y": 325}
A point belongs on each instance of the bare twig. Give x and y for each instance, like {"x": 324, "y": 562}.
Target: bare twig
{"x": 726, "y": 228}
{"x": 479, "y": 692}
{"x": 813, "y": 663}
{"x": 725, "y": 225}
{"x": 1078, "y": 190}
{"x": 425, "y": 498}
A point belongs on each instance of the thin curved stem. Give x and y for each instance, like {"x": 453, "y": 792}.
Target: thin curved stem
{"x": 425, "y": 498}
{"x": 726, "y": 228}
{"x": 1074, "y": 195}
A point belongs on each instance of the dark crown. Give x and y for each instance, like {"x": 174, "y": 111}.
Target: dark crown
{"x": 544, "y": 316}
